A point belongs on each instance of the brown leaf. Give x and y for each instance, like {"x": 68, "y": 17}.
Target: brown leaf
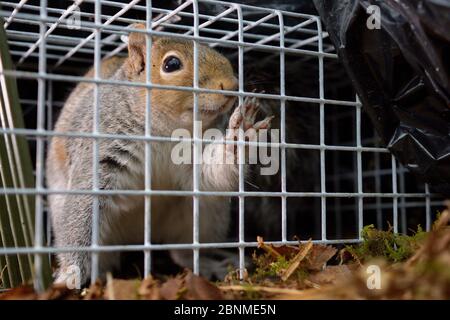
{"x": 150, "y": 289}
{"x": 437, "y": 242}
{"x": 286, "y": 251}
{"x": 346, "y": 256}
{"x": 59, "y": 292}
{"x": 295, "y": 262}
{"x": 318, "y": 256}
{"x": 118, "y": 289}
{"x": 95, "y": 291}
{"x": 172, "y": 289}
{"x": 277, "y": 251}
{"x": 268, "y": 248}
{"x": 198, "y": 288}
{"x": 19, "y": 293}
{"x": 444, "y": 218}
{"x": 330, "y": 274}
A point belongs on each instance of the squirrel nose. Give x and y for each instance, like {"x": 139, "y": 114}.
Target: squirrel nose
{"x": 228, "y": 84}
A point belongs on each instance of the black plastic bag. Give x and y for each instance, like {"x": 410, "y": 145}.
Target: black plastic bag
{"x": 401, "y": 74}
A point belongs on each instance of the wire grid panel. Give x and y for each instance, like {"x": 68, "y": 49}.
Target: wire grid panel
{"x": 55, "y": 39}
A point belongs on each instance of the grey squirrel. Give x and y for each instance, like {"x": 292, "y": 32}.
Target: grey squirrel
{"x": 121, "y": 162}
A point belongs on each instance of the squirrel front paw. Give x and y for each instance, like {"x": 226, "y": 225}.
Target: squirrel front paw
{"x": 243, "y": 118}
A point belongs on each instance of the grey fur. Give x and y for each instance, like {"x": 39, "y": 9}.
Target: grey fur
{"x": 121, "y": 166}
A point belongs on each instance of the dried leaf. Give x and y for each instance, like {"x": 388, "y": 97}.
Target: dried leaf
{"x": 295, "y": 262}
{"x": 345, "y": 256}
{"x": 95, "y": 291}
{"x": 277, "y": 251}
{"x": 443, "y": 219}
{"x": 331, "y": 274}
{"x": 268, "y": 248}
{"x": 59, "y": 292}
{"x": 438, "y": 240}
{"x": 172, "y": 289}
{"x": 150, "y": 289}
{"x": 19, "y": 293}
{"x": 118, "y": 289}
{"x": 198, "y": 288}
{"x": 318, "y": 256}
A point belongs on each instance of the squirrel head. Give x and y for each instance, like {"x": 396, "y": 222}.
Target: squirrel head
{"x": 172, "y": 63}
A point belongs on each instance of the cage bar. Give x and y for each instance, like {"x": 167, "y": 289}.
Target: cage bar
{"x": 44, "y": 48}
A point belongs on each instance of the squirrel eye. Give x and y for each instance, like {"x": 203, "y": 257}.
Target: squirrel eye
{"x": 171, "y": 64}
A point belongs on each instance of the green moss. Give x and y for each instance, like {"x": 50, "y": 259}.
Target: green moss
{"x": 267, "y": 267}
{"x": 393, "y": 247}
{"x": 277, "y": 267}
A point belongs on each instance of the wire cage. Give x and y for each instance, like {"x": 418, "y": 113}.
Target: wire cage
{"x": 334, "y": 175}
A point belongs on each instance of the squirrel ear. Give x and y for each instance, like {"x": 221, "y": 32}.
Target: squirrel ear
{"x": 137, "y": 48}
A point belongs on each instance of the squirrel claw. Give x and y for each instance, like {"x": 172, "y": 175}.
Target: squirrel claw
{"x": 245, "y": 115}
{"x": 264, "y": 124}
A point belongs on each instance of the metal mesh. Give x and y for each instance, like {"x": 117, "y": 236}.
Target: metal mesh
{"x": 358, "y": 182}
